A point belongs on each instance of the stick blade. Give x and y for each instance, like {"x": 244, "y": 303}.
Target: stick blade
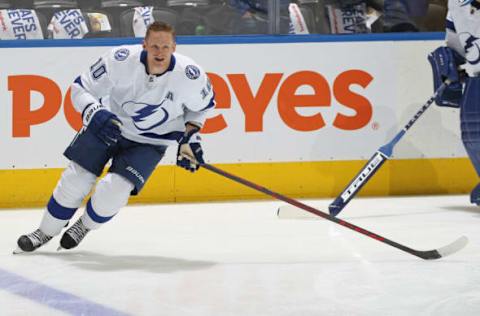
{"x": 444, "y": 251}
{"x": 288, "y": 211}
{"x": 455, "y": 246}
{"x": 18, "y": 251}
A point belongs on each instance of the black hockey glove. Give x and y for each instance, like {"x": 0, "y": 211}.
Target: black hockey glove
{"x": 190, "y": 153}
{"x": 103, "y": 123}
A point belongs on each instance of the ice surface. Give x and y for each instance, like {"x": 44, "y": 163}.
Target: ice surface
{"x": 241, "y": 259}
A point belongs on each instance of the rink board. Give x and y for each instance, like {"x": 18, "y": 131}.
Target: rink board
{"x": 27, "y": 188}
{"x": 299, "y": 115}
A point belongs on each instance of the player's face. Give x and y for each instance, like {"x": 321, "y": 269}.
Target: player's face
{"x": 160, "y": 47}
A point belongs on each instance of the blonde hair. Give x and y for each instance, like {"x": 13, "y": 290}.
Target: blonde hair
{"x": 159, "y": 26}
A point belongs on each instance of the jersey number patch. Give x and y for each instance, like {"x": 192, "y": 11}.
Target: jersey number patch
{"x": 98, "y": 69}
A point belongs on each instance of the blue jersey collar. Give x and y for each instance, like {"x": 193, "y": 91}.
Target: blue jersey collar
{"x": 143, "y": 60}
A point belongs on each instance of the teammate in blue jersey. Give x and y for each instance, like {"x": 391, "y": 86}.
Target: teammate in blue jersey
{"x": 462, "y": 51}
{"x": 135, "y": 101}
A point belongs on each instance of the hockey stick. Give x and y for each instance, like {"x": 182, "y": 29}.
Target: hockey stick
{"x": 377, "y": 160}
{"x": 427, "y": 255}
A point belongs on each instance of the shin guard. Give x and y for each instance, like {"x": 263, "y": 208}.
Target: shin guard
{"x": 470, "y": 120}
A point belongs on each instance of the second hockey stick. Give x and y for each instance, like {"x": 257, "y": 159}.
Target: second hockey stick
{"x": 427, "y": 254}
{"x": 377, "y": 160}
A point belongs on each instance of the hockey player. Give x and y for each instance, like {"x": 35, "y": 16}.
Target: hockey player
{"x": 135, "y": 101}
{"x": 462, "y": 50}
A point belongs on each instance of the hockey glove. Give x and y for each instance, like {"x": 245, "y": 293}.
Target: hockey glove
{"x": 190, "y": 153}
{"x": 445, "y": 62}
{"x": 103, "y": 123}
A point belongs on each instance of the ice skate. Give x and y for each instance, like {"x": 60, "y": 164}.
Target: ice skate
{"x": 32, "y": 241}
{"x": 73, "y": 236}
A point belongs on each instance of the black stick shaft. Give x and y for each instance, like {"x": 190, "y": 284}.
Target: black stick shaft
{"x": 313, "y": 210}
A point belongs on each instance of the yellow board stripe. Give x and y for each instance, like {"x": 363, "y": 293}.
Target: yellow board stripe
{"x": 32, "y": 188}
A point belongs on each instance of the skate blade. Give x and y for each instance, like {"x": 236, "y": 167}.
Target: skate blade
{"x": 18, "y": 251}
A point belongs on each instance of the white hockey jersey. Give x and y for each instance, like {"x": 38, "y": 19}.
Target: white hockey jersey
{"x": 463, "y": 32}
{"x": 152, "y": 108}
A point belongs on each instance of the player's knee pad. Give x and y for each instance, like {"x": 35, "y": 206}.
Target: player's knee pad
{"x": 74, "y": 185}
{"x": 111, "y": 194}
{"x": 470, "y": 120}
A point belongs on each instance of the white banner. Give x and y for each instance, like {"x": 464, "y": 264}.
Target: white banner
{"x": 68, "y": 24}
{"x": 19, "y": 24}
{"x": 275, "y": 102}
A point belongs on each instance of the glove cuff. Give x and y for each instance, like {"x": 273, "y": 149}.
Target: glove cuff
{"x": 90, "y": 111}
{"x": 187, "y": 136}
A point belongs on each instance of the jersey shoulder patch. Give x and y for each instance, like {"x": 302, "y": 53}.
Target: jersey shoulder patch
{"x": 121, "y": 54}
{"x": 192, "y": 72}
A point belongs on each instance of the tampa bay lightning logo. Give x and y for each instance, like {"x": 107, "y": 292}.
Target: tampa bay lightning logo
{"x": 192, "y": 72}
{"x": 472, "y": 47}
{"x": 121, "y": 54}
{"x": 464, "y": 2}
{"x": 146, "y": 116}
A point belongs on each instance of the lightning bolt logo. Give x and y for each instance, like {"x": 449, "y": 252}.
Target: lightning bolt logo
{"x": 146, "y": 116}
{"x": 472, "y": 48}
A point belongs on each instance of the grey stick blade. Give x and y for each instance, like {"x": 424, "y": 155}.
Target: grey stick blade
{"x": 455, "y": 246}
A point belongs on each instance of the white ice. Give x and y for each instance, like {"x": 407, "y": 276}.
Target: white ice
{"x": 241, "y": 259}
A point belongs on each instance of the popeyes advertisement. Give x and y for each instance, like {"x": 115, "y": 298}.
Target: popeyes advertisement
{"x": 274, "y": 102}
